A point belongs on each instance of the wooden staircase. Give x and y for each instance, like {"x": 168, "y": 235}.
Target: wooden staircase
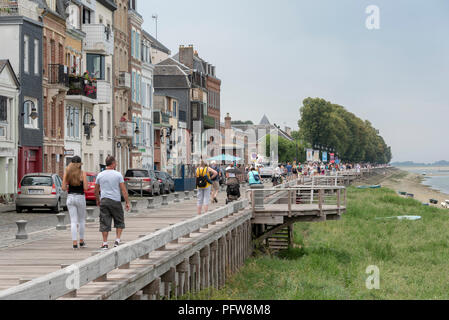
{"x": 281, "y": 240}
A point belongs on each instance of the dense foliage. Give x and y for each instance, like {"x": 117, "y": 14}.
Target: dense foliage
{"x": 332, "y": 126}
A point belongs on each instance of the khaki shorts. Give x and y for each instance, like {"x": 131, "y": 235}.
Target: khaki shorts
{"x": 216, "y": 186}
{"x": 111, "y": 210}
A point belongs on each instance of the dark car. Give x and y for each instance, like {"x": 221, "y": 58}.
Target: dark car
{"x": 166, "y": 181}
{"x": 138, "y": 180}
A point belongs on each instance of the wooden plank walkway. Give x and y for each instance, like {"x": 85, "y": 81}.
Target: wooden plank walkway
{"x": 41, "y": 257}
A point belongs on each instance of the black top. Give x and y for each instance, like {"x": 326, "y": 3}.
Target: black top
{"x": 77, "y": 189}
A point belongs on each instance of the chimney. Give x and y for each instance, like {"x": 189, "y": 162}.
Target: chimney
{"x": 288, "y": 130}
{"x": 228, "y": 121}
{"x": 186, "y": 56}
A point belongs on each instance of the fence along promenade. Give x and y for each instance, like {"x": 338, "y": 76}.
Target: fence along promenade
{"x": 192, "y": 254}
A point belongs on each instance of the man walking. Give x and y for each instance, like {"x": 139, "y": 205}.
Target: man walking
{"x": 111, "y": 182}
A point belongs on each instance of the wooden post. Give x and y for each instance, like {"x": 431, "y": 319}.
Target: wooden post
{"x": 228, "y": 253}
{"x": 168, "y": 279}
{"x": 221, "y": 261}
{"x": 289, "y": 203}
{"x": 205, "y": 255}
{"x": 338, "y": 201}
{"x": 214, "y": 273}
{"x": 182, "y": 269}
{"x": 234, "y": 251}
{"x": 320, "y": 201}
{"x": 153, "y": 290}
{"x": 195, "y": 272}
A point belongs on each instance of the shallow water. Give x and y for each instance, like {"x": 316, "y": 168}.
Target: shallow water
{"x": 436, "y": 177}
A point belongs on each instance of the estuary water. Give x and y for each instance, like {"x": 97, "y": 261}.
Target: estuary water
{"x": 435, "y": 177}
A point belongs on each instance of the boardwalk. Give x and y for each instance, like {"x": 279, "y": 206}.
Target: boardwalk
{"x": 168, "y": 251}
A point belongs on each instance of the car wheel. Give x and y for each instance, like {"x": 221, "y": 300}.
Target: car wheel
{"x": 57, "y": 209}
{"x": 19, "y": 210}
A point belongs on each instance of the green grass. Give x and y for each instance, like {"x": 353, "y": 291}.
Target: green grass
{"x": 329, "y": 260}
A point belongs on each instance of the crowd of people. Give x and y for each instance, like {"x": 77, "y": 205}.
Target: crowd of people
{"x": 110, "y": 187}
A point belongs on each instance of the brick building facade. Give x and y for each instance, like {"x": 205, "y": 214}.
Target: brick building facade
{"x": 55, "y": 86}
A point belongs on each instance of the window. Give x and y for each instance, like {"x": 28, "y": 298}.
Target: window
{"x": 86, "y": 16}
{"x": 133, "y": 85}
{"x": 109, "y": 124}
{"x": 36, "y": 57}
{"x": 133, "y": 35}
{"x": 27, "y": 109}
{"x": 175, "y": 106}
{"x": 26, "y": 53}
{"x": 101, "y": 124}
{"x": 3, "y": 109}
{"x": 95, "y": 66}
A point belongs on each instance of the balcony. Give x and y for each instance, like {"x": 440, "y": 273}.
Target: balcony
{"x": 161, "y": 119}
{"x": 9, "y": 8}
{"x": 124, "y": 80}
{"x": 125, "y": 130}
{"x": 104, "y": 92}
{"x": 58, "y": 75}
{"x": 82, "y": 90}
{"x": 99, "y": 39}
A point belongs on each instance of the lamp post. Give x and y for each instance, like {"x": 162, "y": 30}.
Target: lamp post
{"x": 33, "y": 115}
{"x": 88, "y": 126}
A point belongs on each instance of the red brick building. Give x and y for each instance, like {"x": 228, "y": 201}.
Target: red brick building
{"x": 55, "y": 87}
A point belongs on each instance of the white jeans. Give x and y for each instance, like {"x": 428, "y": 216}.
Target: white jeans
{"x": 76, "y": 203}
{"x": 203, "y": 196}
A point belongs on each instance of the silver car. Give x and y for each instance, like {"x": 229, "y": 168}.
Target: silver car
{"x": 142, "y": 181}
{"x": 41, "y": 190}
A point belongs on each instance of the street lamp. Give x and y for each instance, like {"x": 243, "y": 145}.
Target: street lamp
{"x": 137, "y": 131}
{"x": 33, "y": 115}
{"x": 88, "y": 126}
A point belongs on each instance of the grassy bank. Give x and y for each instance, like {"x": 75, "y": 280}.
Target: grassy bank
{"x": 330, "y": 259}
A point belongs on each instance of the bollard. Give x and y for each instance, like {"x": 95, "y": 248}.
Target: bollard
{"x": 186, "y": 195}
{"x": 21, "y": 232}
{"x": 61, "y": 221}
{"x": 90, "y": 215}
{"x": 177, "y": 198}
{"x": 151, "y": 203}
{"x": 164, "y": 200}
{"x": 134, "y": 206}
{"x": 195, "y": 193}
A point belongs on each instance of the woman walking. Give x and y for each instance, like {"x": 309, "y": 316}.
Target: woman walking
{"x": 75, "y": 182}
{"x": 204, "y": 177}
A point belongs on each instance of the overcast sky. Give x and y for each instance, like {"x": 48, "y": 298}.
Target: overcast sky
{"x": 271, "y": 55}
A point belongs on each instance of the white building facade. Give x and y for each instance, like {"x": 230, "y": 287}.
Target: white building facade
{"x": 9, "y": 100}
{"x": 147, "y": 132}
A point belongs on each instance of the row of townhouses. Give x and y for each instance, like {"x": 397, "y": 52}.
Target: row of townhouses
{"x": 82, "y": 77}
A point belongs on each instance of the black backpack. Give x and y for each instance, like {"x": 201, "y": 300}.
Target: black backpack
{"x": 202, "y": 180}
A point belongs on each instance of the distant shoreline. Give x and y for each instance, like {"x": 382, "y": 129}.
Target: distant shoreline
{"x": 399, "y": 179}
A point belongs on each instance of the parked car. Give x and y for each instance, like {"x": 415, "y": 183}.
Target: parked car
{"x": 90, "y": 193}
{"x": 142, "y": 178}
{"x": 41, "y": 190}
{"x": 166, "y": 181}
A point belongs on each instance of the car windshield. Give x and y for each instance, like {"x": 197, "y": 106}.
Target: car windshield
{"x": 136, "y": 174}
{"x": 91, "y": 178}
{"x": 159, "y": 175}
{"x": 37, "y": 181}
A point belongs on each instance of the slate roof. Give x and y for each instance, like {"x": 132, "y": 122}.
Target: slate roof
{"x": 3, "y": 64}
{"x": 264, "y": 121}
{"x": 156, "y": 43}
{"x": 173, "y": 62}
{"x": 170, "y": 76}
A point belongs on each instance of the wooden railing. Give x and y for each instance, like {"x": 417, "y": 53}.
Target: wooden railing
{"x": 58, "y": 284}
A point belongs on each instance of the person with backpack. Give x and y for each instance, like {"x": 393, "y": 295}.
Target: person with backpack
{"x": 254, "y": 177}
{"x": 204, "y": 177}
